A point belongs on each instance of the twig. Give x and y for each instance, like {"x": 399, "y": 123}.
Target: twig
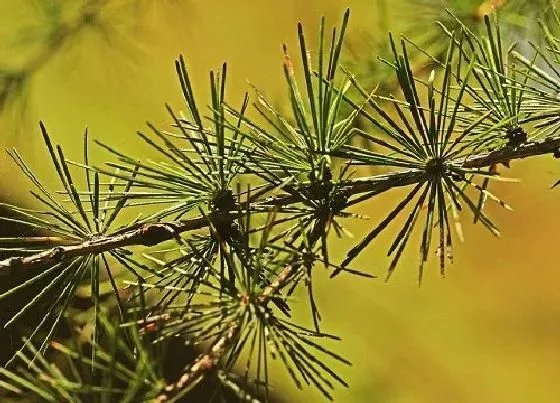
{"x": 210, "y": 360}
{"x": 146, "y": 235}
{"x": 506, "y": 154}
{"x": 201, "y": 366}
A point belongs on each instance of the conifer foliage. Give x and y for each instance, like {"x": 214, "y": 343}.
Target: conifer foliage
{"x": 241, "y": 205}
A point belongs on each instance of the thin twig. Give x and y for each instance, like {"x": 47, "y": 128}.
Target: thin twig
{"x": 506, "y": 154}
{"x": 210, "y": 360}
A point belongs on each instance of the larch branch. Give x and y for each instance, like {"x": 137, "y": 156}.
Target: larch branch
{"x": 153, "y": 234}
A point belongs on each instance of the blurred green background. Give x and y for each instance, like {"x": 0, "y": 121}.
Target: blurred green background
{"x": 488, "y": 332}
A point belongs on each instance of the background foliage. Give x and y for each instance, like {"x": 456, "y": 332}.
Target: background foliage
{"x": 485, "y": 332}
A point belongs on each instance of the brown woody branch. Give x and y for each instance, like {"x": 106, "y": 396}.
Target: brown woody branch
{"x": 506, "y": 154}
{"x": 146, "y": 235}
{"x": 202, "y": 365}
{"x": 153, "y": 234}
{"x": 209, "y": 361}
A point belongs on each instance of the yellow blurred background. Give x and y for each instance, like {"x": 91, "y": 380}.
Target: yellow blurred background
{"x": 488, "y": 332}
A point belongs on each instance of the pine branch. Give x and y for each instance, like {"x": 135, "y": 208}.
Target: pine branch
{"x": 156, "y": 233}
{"x": 440, "y": 150}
